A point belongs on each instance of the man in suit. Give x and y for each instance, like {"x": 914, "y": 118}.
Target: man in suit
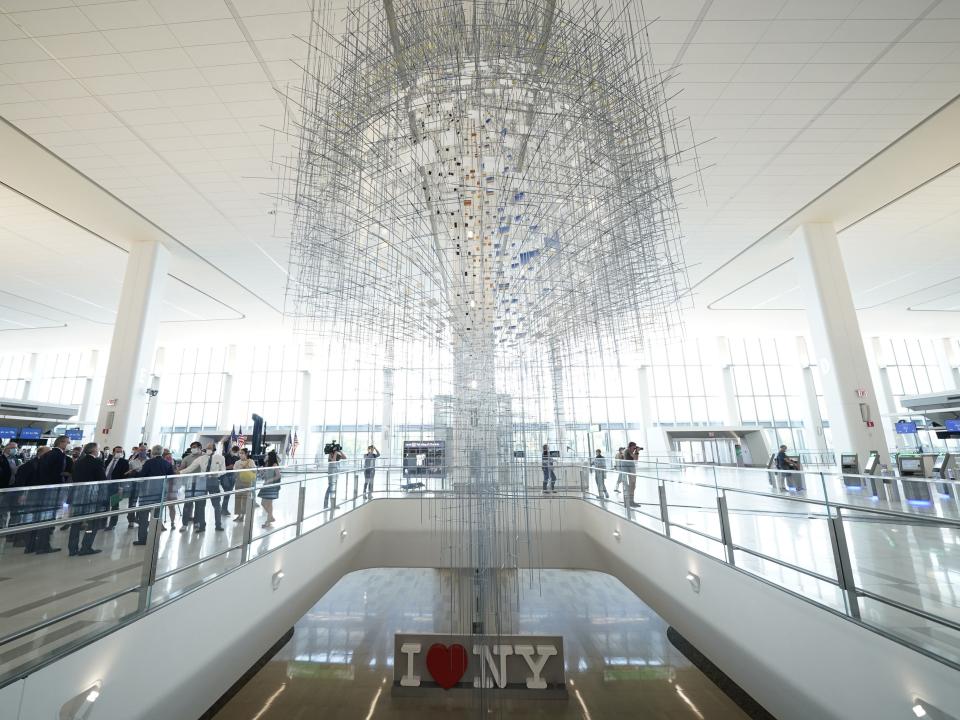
{"x": 155, "y": 472}
{"x": 116, "y": 467}
{"x": 43, "y": 502}
{"x": 88, "y": 495}
{"x": 8, "y": 469}
{"x": 26, "y": 477}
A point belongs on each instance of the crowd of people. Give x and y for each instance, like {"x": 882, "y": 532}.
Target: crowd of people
{"x": 98, "y": 479}
{"x": 624, "y": 464}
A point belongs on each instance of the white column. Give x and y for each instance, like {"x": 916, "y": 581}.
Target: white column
{"x": 131, "y": 350}
{"x": 848, "y": 390}
{"x": 229, "y": 372}
{"x": 944, "y": 348}
{"x": 153, "y": 399}
{"x": 386, "y": 441}
{"x": 731, "y": 415}
{"x": 812, "y": 420}
{"x": 888, "y": 405}
{"x": 304, "y": 451}
{"x": 34, "y": 378}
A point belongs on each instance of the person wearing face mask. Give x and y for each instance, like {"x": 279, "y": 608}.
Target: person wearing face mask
{"x": 211, "y": 464}
{"x": 137, "y": 458}
{"x": 116, "y": 468}
{"x": 186, "y": 513}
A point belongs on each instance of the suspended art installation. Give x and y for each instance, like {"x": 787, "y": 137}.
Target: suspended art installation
{"x": 490, "y": 174}
{"x": 495, "y": 180}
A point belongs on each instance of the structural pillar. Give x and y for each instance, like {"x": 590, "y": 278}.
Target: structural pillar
{"x": 122, "y": 406}
{"x": 848, "y": 390}
{"x": 812, "y": 421}
{"x": 730, "y": 404}
{"x": 944, "y": 349}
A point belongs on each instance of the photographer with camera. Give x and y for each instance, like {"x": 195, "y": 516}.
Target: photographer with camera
{"x": 334, "y": 455}
{"x": 369, "y": 469}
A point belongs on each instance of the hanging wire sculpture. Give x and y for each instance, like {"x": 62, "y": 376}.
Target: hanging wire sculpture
{"x": 497, "y": 179}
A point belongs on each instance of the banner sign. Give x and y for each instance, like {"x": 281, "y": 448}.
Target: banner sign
{"x": 523, "y": 665}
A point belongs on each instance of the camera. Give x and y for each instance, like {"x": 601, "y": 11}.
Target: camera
{"x": 332, "y": 447}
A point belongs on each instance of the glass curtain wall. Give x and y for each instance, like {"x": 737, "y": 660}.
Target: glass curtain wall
{"x": 769, "y": 393}
{"x": 912, "y": 368}
{"x": 15, "y": 373}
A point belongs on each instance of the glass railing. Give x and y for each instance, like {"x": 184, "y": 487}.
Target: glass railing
{"x": 879, "y": 549}
{"x": 886, "y": 560}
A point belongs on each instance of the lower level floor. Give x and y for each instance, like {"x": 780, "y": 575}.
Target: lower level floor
{"x": 339, "y": 661}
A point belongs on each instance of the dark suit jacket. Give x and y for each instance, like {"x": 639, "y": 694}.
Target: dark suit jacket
{"x": 50, "y": 468}
{"x": 120, "y": 470}
{"x": 95, "y": 498}
{"x": 27, "y": 473}
{"x": 88, "y": 469}
{"x": 6, "y": 474}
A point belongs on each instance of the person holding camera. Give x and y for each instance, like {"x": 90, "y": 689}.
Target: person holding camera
{"x": 334, "y": 455}
{"x": 369, "y": 469}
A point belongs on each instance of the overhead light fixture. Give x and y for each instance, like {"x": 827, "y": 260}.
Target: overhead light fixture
{"x": 694, "y": 581}
{"x": 616, "y": 534}
{"x": 343, "y": 533}
{"x": 277, "y": 577}
{"x": 919, "y": 711}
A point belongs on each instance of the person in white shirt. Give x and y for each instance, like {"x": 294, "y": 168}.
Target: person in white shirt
{"x": 212, "y": 464}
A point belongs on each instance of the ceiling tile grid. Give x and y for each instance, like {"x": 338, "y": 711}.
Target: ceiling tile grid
{"x": 170, "y": 104}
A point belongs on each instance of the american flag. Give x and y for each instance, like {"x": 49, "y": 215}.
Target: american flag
{"x": 241, "y": 438}
{"x": 295, "y": 445}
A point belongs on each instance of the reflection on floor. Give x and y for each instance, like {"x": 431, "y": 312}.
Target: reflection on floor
{"x": 339, "y": 662}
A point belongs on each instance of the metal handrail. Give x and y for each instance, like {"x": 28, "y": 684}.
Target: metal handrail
{"x": 314, "y": 473}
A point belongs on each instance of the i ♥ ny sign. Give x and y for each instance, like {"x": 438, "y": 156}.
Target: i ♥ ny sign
{"x": 529, "y": 664}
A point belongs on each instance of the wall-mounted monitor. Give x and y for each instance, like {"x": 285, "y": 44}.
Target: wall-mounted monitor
{"x": 29, "y": 433}
{"x": 952, "y": 425}
{"x": 848, "y": 461}
{"x": 906, "y": 427}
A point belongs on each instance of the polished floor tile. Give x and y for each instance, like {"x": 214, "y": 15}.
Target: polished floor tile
{"x": 619, "y": 662}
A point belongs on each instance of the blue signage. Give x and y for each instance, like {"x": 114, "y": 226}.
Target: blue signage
{"x": 75, "y": 434}
{"x": 30, "y": 433}
{"x": 8, "y": 432}
{"x": 905, "y": 427}
{"x": 952, "y": 425}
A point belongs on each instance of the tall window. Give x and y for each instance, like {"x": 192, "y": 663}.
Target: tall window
{"x": 768, "y": 395}
{"x": 681, "y": 390}
{"x": 911, "y": 368}
{"x": 62, "y": 377}
{"x": 14, "y": 374}
{"x": 266, "y": 381}
{"x": 191, "y": 393}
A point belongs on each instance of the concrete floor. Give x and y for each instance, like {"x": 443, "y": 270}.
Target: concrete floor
{"x": 338, "y": 664}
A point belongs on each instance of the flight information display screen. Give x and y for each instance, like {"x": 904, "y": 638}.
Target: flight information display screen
{"x": 952, "y": 425}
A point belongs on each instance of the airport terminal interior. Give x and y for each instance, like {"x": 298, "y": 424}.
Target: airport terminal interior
{"x": 480, "y": 358}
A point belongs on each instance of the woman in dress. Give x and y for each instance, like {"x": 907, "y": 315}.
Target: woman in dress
{"x": 246, "y": 476}
{"x": 271, "y": 486}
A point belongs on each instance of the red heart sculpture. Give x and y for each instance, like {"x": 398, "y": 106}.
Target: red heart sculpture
{"x": 447, "y": 665}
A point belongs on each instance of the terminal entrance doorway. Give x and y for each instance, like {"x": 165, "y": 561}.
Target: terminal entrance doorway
{"x": 708, "y": 451}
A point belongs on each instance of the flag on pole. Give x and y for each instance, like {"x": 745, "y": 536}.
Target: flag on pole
{"x": 241, "y": 438}
{"x": 296, "y": 444}
{"x": 233, "y": 434}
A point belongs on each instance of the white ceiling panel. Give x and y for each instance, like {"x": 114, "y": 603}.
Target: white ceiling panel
{"x": 170, "y": 105}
